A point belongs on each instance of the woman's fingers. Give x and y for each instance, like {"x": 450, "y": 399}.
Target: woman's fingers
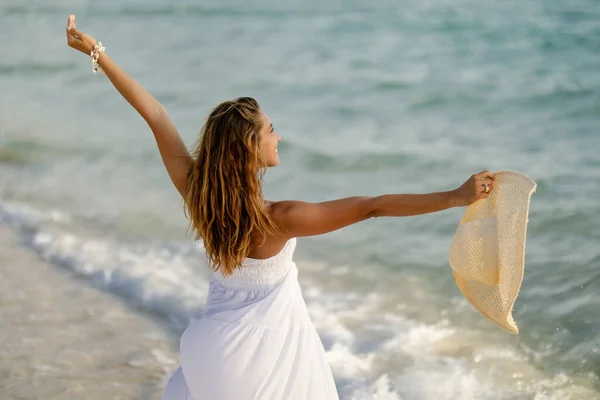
{"x": 76, "y": 39}
{"x": 485, "y": 175}
{"x": 71, "y": 35}
{"x": 71, "y": 22}
{"x": 485, "y": 186}
{"x": 484, "y": 183}
{"x": 71, "y": 27}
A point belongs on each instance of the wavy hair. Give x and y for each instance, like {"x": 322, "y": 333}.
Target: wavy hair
{"x": 224, "y": 200}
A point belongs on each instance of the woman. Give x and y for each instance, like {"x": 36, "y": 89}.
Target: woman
{"x": 255, "y": 339}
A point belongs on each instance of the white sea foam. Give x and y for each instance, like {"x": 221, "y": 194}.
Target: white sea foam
{"x": 20, "y": 213}
{"x": 159, "y": 279}
{"x": 167, "y": 279}
{"x": 379, "y": 390}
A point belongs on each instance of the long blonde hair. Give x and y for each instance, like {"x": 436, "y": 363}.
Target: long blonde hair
{"x": 224, "y": 200}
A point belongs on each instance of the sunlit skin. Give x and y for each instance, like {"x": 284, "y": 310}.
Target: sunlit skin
{"x": 269, "y": 139}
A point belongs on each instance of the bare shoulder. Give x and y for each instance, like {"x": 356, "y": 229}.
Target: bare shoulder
{"x": 286, "y": 213}
{"x": 296, "y": 218}
{"x": 278, "y": 209}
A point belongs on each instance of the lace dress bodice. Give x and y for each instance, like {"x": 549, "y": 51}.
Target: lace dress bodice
{"x": 259, "y": 275}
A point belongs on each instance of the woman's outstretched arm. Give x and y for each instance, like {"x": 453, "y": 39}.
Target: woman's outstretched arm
{"x": 297, "y": 218}
{"x": 174, "y": 153}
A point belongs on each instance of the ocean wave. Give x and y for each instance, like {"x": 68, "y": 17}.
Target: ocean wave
{"x": 559, "y": 94}
{"x": 27, "y": 9}
{"x": 313, "y": 159}
{"x": 33, "y": 68}
{"x": 172, "y": 9}
{"x": 165, "y": 278}
{"x": 12, "y": 157}
{"x": 391, "y": 85}
{"x": 565, "y": 224}
{"x": 157, "y": 279}
{"x": 351, "y": 163}
{"x": 20, "y": 150}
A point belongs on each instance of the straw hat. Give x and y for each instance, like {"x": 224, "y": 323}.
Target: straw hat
{"x": 487, "y": 254}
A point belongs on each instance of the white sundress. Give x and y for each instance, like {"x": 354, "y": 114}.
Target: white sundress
{"x": 255, "y": 340}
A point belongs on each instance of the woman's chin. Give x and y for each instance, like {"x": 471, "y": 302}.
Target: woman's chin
{"x": 275, "y": 161}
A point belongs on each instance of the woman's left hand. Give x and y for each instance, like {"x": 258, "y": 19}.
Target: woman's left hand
{"x": 79, "y": 40}
{"x": 478, "y": 186}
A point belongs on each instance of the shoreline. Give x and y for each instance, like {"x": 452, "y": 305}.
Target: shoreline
{"x": 63, "y": 339}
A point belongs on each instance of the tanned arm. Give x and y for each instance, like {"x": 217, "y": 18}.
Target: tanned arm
{"x": 174, "y": 153}
{"x": 297, "y": 218}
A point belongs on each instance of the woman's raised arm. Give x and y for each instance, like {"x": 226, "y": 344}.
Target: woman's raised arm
{"x": 173, "y": 151}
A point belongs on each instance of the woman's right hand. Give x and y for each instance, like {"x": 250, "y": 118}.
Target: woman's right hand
{"x": 477, "y": 187}
{"x": 79, "y": 40}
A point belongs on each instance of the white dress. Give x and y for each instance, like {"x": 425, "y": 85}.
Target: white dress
{"x": 255, "y": 340}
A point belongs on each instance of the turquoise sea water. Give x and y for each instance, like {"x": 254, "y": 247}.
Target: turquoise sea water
{"x": 369, "y": 98}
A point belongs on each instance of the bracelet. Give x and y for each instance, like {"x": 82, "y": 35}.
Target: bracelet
{"x": 95, "y": 54}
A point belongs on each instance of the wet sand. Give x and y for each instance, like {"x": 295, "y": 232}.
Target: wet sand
{"x": 62, "y": 339}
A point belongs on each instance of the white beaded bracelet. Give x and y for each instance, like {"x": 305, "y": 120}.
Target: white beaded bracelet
{"x": 95, "y": 54}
